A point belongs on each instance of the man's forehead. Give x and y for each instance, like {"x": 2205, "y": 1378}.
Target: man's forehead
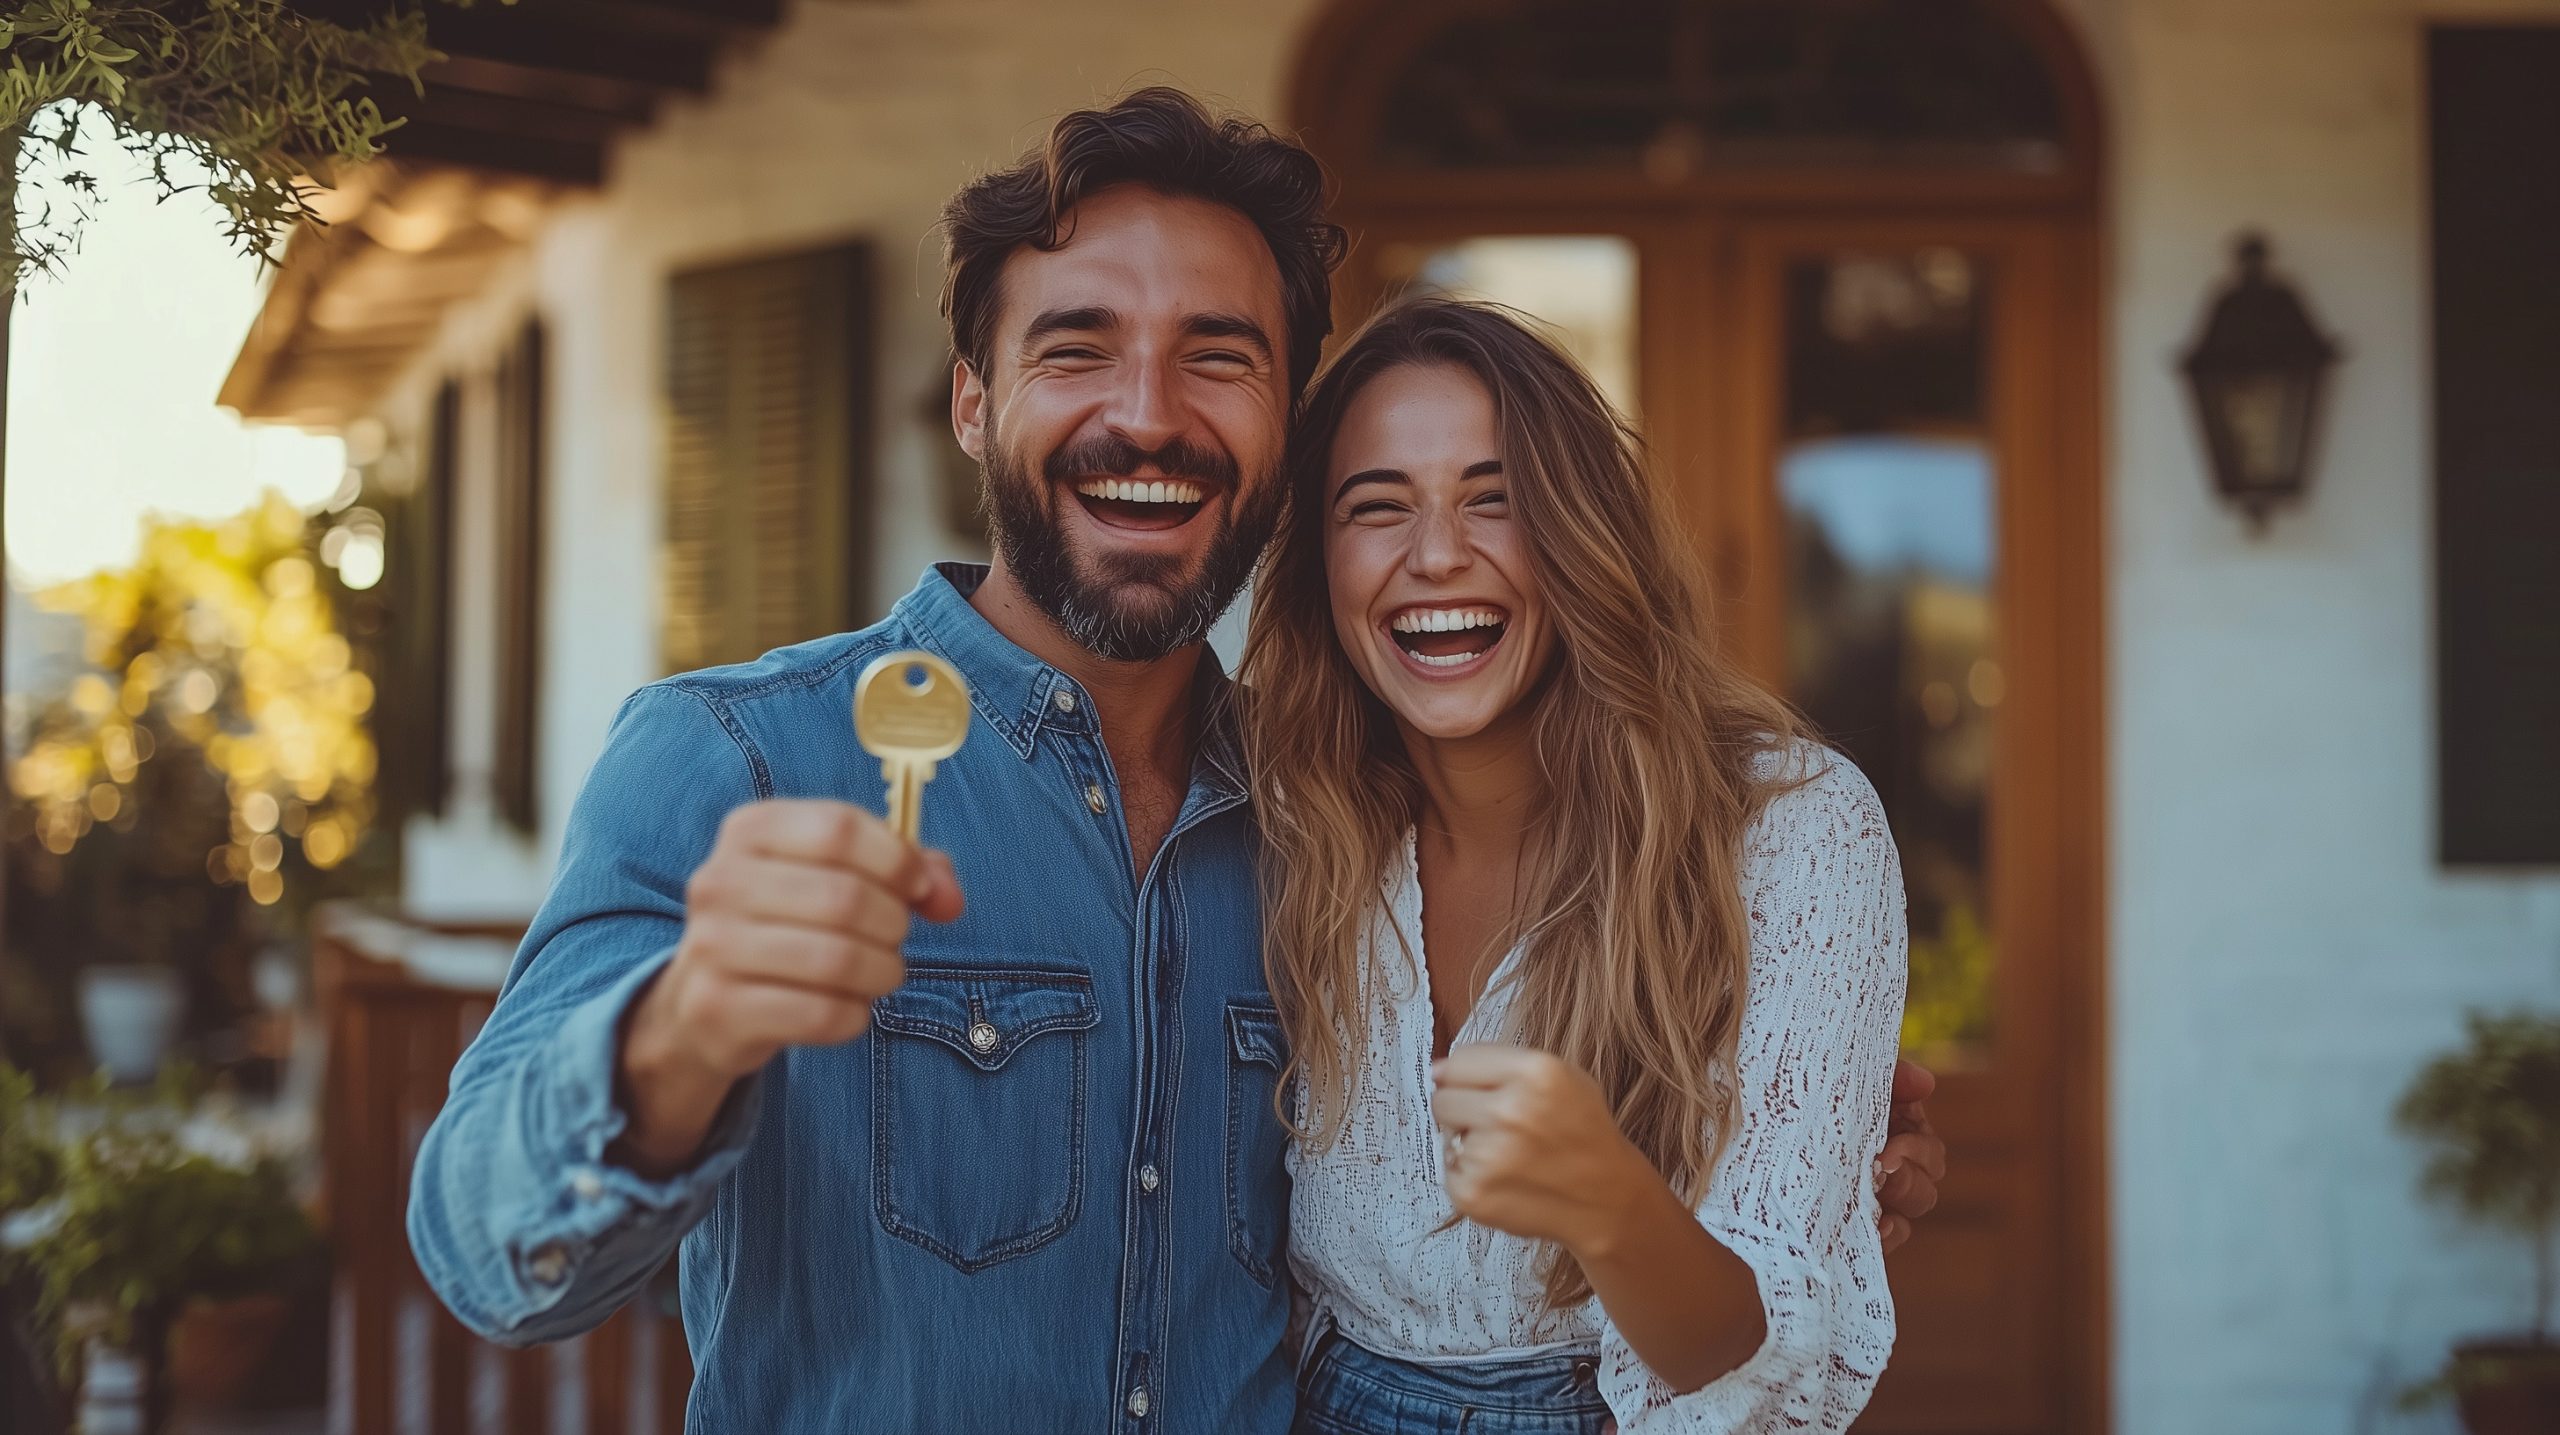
{"x": 1145, "y": 255}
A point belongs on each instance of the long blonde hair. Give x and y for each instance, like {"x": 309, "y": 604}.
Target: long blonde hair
{"x": 1635, "y": 939}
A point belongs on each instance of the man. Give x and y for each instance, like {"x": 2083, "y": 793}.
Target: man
{"x": 1044, "y": 1191}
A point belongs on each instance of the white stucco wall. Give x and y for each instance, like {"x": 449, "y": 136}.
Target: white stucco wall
{"x": 2283, "y": 949}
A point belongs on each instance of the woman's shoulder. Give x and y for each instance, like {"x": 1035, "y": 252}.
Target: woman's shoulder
{"x": 1823, "y": 877}
{"x": 1821, "y": 799}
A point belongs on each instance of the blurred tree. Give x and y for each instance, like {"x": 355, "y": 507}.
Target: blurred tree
{"x": 216, "y": 751}
{"x": 265, "y": 97}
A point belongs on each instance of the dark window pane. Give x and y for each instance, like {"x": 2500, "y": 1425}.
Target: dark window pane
{"x": 2496, "y": 174}
{"x": 1665, "y": 86}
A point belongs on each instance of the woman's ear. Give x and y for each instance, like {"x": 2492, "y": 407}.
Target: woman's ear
{"x": 969, "y": 410}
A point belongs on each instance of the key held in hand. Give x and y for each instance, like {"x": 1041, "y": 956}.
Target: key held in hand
{"x": 910, "y": 710}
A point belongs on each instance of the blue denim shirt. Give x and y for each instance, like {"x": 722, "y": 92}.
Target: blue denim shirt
{"x": 1074, "y": 1226}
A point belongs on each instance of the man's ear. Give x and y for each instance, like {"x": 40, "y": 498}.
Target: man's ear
{"x": 969, "y": 410}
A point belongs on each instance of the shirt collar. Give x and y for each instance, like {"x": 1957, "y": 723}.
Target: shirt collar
{"x": 1019, "y": 695}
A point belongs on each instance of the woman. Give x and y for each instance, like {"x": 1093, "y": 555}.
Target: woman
{"x": 1591, "y": 962}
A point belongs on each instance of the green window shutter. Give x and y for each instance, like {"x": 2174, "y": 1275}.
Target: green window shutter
{"x": 768, "y": 447}
{"x": 520, "y": 499}
{"x": 413, "y": 733}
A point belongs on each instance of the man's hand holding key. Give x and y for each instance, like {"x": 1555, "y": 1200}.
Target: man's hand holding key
{"x": 793, "y": 925}
{"x": 792, "y": 930}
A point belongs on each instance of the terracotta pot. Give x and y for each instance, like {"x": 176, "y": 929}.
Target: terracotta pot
{"x": 217, "y": 1347}
{"x": 2526, "y": 1404}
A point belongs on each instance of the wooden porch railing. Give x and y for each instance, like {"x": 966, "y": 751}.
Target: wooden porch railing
{"x": 400, "y": 1000}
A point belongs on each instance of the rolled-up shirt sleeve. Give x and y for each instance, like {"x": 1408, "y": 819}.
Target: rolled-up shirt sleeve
{"x": 521, "y": 1224}
{"x": 1794, "y": 1195}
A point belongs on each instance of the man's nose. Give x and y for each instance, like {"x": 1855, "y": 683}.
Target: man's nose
{"x": 1145, "y": 407}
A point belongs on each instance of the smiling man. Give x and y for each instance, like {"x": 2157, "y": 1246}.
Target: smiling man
{"x": 1044, "y": 1189}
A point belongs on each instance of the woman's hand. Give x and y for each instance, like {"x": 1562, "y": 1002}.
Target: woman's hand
{"x": 1537, "y": 1153}
{"x": 1533, "y": 1149}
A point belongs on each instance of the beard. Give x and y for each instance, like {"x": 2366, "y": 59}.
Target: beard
{"x": 1127, "y": 607}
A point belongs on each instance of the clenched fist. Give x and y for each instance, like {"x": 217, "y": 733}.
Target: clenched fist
{"x": 792, "y": 930}
{"x": 1532, "y": 1146}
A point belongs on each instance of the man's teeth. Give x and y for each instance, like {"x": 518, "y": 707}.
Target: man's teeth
{"x": 1445, "y": 620}
{"x": 1132, "y": 490}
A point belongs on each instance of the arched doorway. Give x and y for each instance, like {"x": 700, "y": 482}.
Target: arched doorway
{"x": 1841, "y": 258}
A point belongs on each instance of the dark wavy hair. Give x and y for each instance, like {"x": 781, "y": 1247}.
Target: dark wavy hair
{"x": 1167, "y": 140}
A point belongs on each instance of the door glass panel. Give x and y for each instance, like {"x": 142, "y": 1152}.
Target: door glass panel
{"x": 1670, "y": 88}
{"x": 1582, "y": 287}
{"x": 1886, "y": 476}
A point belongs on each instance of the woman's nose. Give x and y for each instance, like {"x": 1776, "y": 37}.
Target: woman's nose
{"x": 1439, "y": 546}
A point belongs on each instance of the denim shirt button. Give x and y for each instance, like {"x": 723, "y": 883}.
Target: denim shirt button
{"x": 1065, "y": 700}
{"x": 1148, "y": 1180}
{"x": 1138, "y": 1403}
{"x": 549, "y": 1266}
{"x": 1093, "y": 797}
{"x": 587, "y": 1185}
{"x": 984, "y": 1037}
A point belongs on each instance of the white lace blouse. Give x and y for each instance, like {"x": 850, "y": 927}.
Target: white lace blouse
{"x": 1793, "y": 1197}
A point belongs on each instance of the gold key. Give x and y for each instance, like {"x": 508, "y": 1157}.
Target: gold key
{"x": 910, "y": 710}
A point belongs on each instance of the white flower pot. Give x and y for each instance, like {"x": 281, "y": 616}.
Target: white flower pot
{"x": 130, "y": 1015}
{"x": 115, "y": 1392}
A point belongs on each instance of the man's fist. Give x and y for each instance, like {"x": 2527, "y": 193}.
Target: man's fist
{"x": 792, "y": 930}
{"x": 1914, "y": 1159}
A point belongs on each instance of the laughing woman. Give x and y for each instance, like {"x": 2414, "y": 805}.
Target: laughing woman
{"x": 1592, "y": 964}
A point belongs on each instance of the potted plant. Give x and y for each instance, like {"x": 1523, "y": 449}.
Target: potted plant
{"x": 29, "y": 1166}
{"x": 150, "y": 1211}
{"x": 2491, "y": 1111}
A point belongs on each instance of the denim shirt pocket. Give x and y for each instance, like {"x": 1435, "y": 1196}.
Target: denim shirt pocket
{"x": 1257, "y": 1180}
{"x": 992, "y": 1055}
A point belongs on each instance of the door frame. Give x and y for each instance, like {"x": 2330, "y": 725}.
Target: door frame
{"x": 1351, "y": 43}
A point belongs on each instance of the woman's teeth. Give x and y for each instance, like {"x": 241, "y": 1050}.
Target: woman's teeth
{"x": 1447, "y": 637}
{"x": 1444, "y": 620}
{"x": 1129, "y": 490}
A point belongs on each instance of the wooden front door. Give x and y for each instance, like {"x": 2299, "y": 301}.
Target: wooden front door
{"x": 1864, "y": 420}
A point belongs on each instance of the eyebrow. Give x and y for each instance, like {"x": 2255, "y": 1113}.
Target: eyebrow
{"x": 1486, "y": 468}
{"x": 1097, "y": 318}
{"x": 1085, "y": 319}
{"x": 1229, "y": 326}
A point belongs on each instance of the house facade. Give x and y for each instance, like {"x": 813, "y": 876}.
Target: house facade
{"x": 1899, "y": 292}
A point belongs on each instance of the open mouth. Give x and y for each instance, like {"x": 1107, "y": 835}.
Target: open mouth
{"x": 1444, "y": 639}
{"x": 1146, "y": 504}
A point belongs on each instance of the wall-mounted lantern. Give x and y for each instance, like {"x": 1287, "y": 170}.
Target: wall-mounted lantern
{"x": 2257, "y": 376}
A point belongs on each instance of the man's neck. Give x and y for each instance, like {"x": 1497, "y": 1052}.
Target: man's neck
{"x": 1145, "y": 709}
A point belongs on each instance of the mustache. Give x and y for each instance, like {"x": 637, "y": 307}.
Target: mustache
{"x": 1117, "y": 456}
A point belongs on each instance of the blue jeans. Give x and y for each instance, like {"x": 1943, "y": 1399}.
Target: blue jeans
{"x": 1344, "y": 1389}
